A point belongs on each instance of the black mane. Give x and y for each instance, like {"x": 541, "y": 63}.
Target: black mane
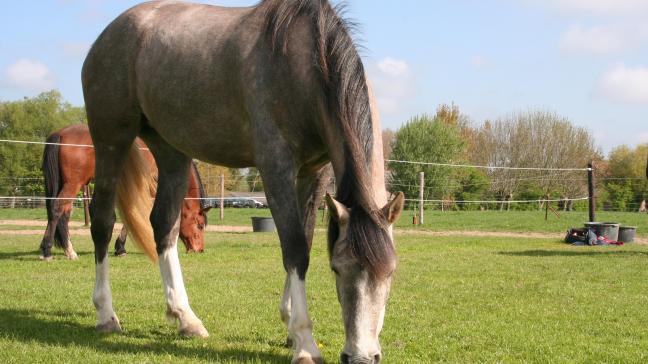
{"x": 345, "y": 85}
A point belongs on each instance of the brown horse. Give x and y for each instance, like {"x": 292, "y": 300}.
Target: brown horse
{"x": 69, "y": 164}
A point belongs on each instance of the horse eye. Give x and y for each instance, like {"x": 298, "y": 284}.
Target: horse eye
{"x": 201, "y": 226}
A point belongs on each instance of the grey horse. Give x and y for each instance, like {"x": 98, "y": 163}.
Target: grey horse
{"x": 279, "y": 86}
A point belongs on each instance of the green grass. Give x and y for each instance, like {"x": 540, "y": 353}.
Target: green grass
{"x": 460, "y": 300}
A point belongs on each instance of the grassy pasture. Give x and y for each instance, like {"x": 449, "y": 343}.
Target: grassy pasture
{"x": 454, "y": 299}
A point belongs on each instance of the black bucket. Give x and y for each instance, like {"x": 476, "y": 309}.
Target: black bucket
{"x": 627, "y": 233}
{"x": 263, "y": 224}
{"x": 609, "y": 230}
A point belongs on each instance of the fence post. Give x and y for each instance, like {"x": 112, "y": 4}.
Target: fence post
{"x": 590, "y": 188}
{"x": 421, "y": 194}
{"x": 86, "y": 204}
{"x": 222, "y": 195}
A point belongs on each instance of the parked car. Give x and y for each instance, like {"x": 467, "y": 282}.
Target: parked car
{"x": 240, "y": 202}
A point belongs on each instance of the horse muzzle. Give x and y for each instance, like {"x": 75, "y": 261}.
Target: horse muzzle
{"x": 360, "y": 359}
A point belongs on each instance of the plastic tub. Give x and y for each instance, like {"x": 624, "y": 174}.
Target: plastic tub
{"x": 263, "y": 224}
{"x": 627, "y": 233}
{"x": 609, "y": 230}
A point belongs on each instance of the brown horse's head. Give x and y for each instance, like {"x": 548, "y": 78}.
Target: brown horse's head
{"x": 192, "y": 226}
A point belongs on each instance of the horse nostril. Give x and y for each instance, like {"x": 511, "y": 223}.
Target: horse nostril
{"x": 344, "y": 358}
{"x": 377, "y": 358}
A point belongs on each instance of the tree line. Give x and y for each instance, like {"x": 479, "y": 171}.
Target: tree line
{"x": 534, "y": 138}
{"x": 530, "y": 139}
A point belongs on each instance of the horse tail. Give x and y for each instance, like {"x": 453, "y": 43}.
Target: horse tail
{"x": 134, "y": 202}
{"x": 53, "y": 184}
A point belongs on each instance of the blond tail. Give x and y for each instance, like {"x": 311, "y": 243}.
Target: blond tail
{"x": 135, "y": 190}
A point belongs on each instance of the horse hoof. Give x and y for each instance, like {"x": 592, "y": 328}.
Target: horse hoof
{"x": 46, "y": 259}
{"x": 120, "y": 254}
{"x": 194, "y": 330}
{"x": 304, "y": 360}
{"x": 111, "y": 326}
{"x": 72, "y": 256}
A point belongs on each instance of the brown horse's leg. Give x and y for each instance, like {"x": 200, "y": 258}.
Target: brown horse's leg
{"x": 48, "y": 237}
{"x": 68, "y": 192}
{"x": 57, "y": 225}
{"x": 120, "y": 242}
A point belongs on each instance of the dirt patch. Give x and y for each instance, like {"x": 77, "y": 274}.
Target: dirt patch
{"x": 42, "y": 223}
{"x": 246, "y": 229}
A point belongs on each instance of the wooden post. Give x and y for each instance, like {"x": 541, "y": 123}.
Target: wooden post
{"x": 590, "y": 188}
{"x": 421, "y": 196}
{"x": 546, "y": 207}
{"x": 86, "y": 204}
{"x": 222, "y": 194}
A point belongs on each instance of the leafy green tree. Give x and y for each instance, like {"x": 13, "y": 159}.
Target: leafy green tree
{"x": 426, "y": 139}
{"x": 30, "y": 119}
{"x": 625, "y": 179}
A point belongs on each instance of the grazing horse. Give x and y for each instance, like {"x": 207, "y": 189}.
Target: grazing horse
{"x": 69, "y": 164}
{"x": 279, "y": 86}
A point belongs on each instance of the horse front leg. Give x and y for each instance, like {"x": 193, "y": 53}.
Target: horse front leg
{"x": 310, "y": 191}
{"x": 287, "y": 213}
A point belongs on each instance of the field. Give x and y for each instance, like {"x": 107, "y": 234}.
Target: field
{"x": 456, "y": 297}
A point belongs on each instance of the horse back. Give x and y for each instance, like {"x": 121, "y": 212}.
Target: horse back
{"x": 210, "y": 75}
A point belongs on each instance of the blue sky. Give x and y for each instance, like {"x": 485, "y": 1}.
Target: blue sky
{"x": 584, "y": 59}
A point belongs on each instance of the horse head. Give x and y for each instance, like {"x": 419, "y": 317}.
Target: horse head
{"x": 363, "y": 258}
{"x": 192, "y": 226}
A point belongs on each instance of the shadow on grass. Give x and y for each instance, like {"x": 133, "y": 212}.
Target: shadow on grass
{"x": 22, "y": 255}
{"x": 572, "y": 253}
{"x": 60, "y": 329}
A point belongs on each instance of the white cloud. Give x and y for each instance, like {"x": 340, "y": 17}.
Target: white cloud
{"x": 29, "y": 75}
{"x": 393, "y": 67}
{"x": 624, "y": 84}
{"x": 393, "y": 84}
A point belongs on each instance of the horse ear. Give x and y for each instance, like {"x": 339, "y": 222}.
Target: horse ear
{"x": 206, "y": 210}
{"x": 339, "y": 212}
{"x": 393, "y": 209}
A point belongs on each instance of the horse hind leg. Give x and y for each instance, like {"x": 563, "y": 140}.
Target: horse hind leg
{"x": 110, "y": 157}
{"x": 173, "y": 168}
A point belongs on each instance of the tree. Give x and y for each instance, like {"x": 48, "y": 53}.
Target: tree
{"x": 624, "y": 179}
{"x": 534, "y": 138}
{"x": 30, "y": 119}
{"x": 426, "y": 139}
